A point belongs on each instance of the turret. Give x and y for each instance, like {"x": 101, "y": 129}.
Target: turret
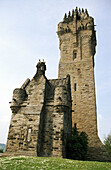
{"x": 19, "y": 96}
{"x": 41, "y": 67}
{"x": 60, "y": 97}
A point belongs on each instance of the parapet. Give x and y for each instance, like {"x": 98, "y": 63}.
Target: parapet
{"x": 79, "y": 14}
{"x": 79, "y": 19}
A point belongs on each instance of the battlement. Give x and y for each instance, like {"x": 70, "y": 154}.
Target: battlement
{"x": 79, "y": 14}
{"x": 75, "y": 21}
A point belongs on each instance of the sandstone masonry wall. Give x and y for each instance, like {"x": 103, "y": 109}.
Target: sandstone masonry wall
{"x": 41, "y": 117}
{"x": 44, "y": 111}
{"x": 77, "y": 42}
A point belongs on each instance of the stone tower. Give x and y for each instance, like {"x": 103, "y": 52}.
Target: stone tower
{"x": 44, "y": 110}
{"x": 77, "y": 42}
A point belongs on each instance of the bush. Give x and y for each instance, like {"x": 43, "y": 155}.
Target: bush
{"x": 77, "y": 145}
{"x": 107, "y": 144}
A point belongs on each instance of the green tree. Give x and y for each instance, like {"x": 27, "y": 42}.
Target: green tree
{"x": 77, "y": 145}
{"x": 1, "y": 150}
{"x": 107, "y": 144}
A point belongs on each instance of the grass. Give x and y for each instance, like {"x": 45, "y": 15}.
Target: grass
{"x": 43, "y": 163}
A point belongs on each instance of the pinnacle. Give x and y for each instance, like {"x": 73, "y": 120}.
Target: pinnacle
{"x": 76, "y": 13}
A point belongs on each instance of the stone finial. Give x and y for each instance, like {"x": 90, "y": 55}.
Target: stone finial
{"x": 86, "y": 12}
{"x": 41, "y": 68}
{"x": 79, "y": 11}
{"x": 65, "y": 16}
{"x": 69, "y": 14}
{"x": 76, "y": 10}
{"x": 82, "y": 10}
{"x": 73, "y": 13}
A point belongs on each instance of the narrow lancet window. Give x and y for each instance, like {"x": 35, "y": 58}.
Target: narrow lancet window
{"x": 29, "y": 135}
{"x": 74, "y": 55}
{"x": 75, "y": 87}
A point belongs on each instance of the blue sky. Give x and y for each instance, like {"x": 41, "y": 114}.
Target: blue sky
{"x": 28, "y": 32}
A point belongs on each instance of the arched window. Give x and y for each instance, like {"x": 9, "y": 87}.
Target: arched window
{"x": 74, "y": 54}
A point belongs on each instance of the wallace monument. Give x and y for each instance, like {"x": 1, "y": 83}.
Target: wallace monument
{"x": 44, "y": 110}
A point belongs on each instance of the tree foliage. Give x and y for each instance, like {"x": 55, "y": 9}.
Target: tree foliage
{"x": 77, "y": 145}
{"x": 1, "y": 150}
{"x": 107, "y": 144}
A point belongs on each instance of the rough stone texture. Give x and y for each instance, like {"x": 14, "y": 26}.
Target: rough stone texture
{"x": 43, "y": 111}
{"x": 77, "y": 42}
{"x": 41, "y": 117}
